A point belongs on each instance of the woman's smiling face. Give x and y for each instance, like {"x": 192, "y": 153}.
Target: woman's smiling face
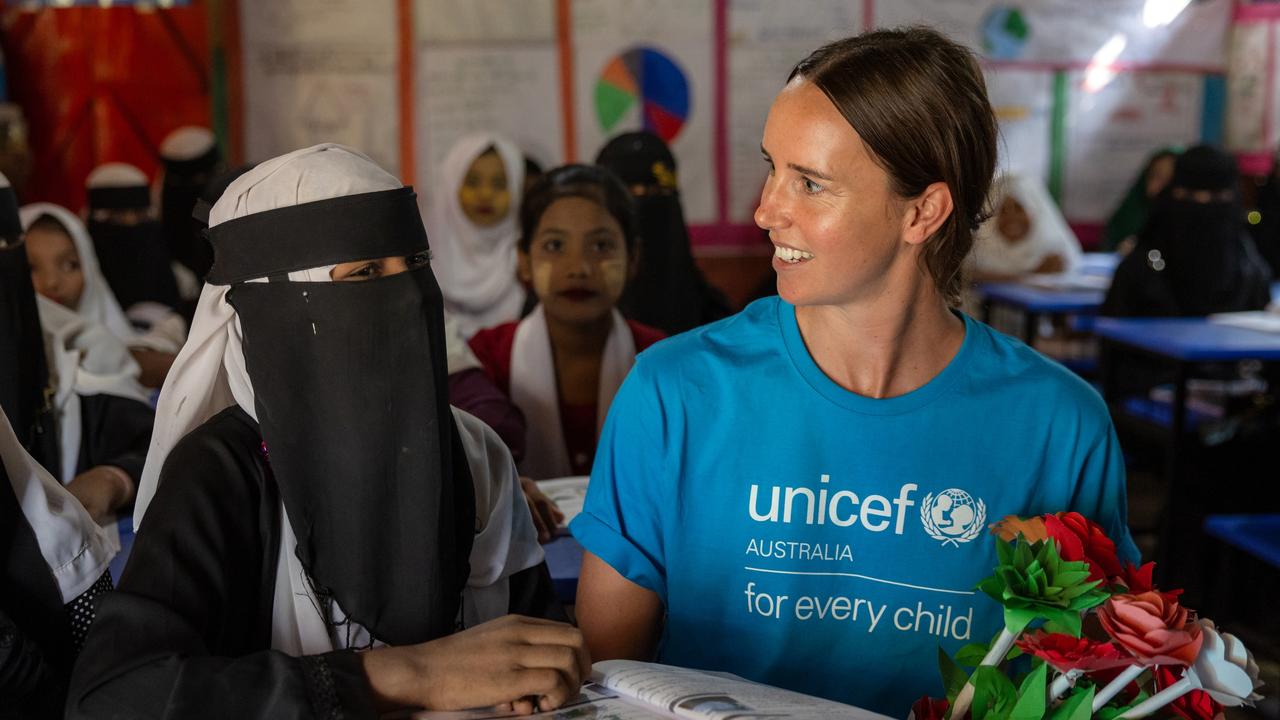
{"x": 832, "y": 216}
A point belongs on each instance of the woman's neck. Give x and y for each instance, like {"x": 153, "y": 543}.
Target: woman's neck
{"x": 888, "y": 347}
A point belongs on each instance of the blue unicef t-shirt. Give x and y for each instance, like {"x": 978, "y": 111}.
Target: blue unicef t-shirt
{"x": 808, "y": 537}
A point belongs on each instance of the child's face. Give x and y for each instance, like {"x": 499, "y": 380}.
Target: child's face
{"x": 1012, "y": 220}
{"x": 484, "y": 195}
{"x": 577, "y": 261}
{"x": 55, "y": 266}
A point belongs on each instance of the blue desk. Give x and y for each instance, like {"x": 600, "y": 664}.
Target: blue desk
{"x": 1258, "y": 535}
{"x": 564, "y": 559}
{"x": 1034, "y": 302}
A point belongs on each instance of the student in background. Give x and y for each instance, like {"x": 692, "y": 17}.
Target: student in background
{"x": 853, "y": 438}
{"x": 53, "y": 565}
{"x": 1128, "y": 218}
{"x": 1194, "y": 256}
{"x": 310, "y": 493}
{"x": 64, "y": 269}
{"x": 75, "y": 401}
{"x": 472, "y": 223}
{"x": 1025, "y": 235}
{"x": 668, "y": 291}
{"x": 129, "y": 240}
{"x": 191, "y": 160}
{"x": 563, "y": 363}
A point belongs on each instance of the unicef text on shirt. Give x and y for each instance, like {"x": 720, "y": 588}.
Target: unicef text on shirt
{"x": 842, "y": 508}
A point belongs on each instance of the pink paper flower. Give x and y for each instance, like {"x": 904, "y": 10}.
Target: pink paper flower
{"x": 1153, "y": 627}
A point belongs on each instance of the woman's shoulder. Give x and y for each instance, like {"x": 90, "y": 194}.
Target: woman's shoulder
{"x": 229, "y": 439}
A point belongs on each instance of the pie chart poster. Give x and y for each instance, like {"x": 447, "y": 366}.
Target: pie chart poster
{"x": 647, "y": 65}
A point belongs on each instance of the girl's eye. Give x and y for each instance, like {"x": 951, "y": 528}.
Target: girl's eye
{"x": 812, "y": 187}
{"x": 418, "y": 259}
{"x": 367, "y": 271}
{"x": 552, "y": 245}
{"x": 604, "y": 246}
{"x": 71, "y": 266}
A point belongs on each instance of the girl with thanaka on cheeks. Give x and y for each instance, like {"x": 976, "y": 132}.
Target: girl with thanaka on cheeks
{"x": 563, "y": 363}
{"x": 473, "y": 225}
{"x": 813, "y": 477}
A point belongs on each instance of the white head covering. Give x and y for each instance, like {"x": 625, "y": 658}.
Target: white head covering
{"x": 1048, "y": 233}
{"x": 75, "y": 548}
{"x": 84, "y": 359}
{"x": 187, "y": 143}
{"x": 209, "y": 375}
{"x": 475, "y": 266}
{"x": 116, "y": 174}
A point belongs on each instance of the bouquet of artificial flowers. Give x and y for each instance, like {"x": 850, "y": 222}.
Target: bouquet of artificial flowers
{"x": 1102, "y": 640}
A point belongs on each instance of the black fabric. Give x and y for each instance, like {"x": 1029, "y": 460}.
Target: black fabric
{"x": 1192, "y": 258}
{"x": 351, "y": 391}
{"x": 668, "y": 291}
{"x": 380, "y": 224}
{"x": 135, "y": 260}
{"x": 10, "y": 222}
{"x": 184, "y": 182}
{"x": 24, "y": 373}
{"x": 114, "y": 431}
{"x": 124, "y": 197}
{"x": 187, "y": 633}
{"x": 1266, "y": 233}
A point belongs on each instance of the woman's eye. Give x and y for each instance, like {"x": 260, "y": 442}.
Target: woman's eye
{"x": 367, "y": 271}
{"x": 811, "y": 187}
{"x": 418, "y": 259}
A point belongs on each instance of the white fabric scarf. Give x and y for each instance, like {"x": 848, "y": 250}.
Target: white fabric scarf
{"x": 97, "y": 303}
{"x": 209, "y": 375}
{"x": 475, "y": 266}
{"x": 1048, "y": 233}
{"x": 84, "y": 359}
{"x": 74, "y": 547}
{"x": 534, "y": 390}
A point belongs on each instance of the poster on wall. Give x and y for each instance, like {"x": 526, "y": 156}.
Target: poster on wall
{"x": 1113, "y": 128}
{"x": 1251, "y": 97}
{"x": 492, "y": 67}
{"x": 764, "y": 41}
{"x": 1023, "y": 104}
{"x": 320, "y": 71}
{"x": 647, "y": 64}
{"x": 1071, "y": 32}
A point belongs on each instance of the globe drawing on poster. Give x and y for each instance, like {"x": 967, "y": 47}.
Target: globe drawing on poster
{"x": 642, "y": 87}
{"x": 1004, "y": 33}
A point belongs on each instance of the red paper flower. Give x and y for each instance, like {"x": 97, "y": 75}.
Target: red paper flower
{"x": 1136, "y": 579}
{"x": 1079, "y": 538}
{"x": 1065, "y": 652}
{"x": 1153, "y": 627}
{"x": 927, "y": 708}
{"x": 1195, "y": 705}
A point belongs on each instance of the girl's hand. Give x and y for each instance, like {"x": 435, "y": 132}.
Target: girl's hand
{"x": 102, "y": 490}
{"x": 546, "y": 516}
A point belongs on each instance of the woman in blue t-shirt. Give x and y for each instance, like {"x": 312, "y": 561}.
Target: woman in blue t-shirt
{"x": 800, "y": 494}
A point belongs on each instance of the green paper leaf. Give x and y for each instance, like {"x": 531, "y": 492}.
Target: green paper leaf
{"x": 1077, "y": 706}
{"x": 993, "y": 693}
{"x": 953, "y": 678}
{"x": 971, "y": 655}
{"x": 1030, "y": 704}
{"x": 1017, "y": 619}
{"x": 1067, "y": 619}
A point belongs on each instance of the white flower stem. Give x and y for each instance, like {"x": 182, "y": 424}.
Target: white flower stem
{"x": 994, "y": 656}
{"x": 1160, "y": 699}
{"x": 1061, "y": 684}
{"x": 1114, "y": 687}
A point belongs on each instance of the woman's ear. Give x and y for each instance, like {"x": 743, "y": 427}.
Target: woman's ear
{"x": 926, "y": 213}
{"x": 524, "y": 267}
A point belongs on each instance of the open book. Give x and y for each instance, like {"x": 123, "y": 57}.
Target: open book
{"x": 630, "y": 690}
{"x": 568, "y": 493}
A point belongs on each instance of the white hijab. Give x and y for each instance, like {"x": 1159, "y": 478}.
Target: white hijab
{"x": 84, "y": 359}
{"x": 75, "y": 548}
{"x": 1048, "y": 234}
{"x": 475, "y": 266}
{"x": 97, "y": 303}
{"x": 209, "y": 375}
{"x": 534, "y": 390}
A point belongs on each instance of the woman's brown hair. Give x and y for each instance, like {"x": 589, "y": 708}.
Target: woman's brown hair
{"x": 919, "y": 103}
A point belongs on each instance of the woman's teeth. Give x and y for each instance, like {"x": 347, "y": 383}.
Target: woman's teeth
{"x": 791, "y": 255}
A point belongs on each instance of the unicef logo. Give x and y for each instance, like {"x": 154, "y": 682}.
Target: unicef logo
{"x": 952, "y": 516}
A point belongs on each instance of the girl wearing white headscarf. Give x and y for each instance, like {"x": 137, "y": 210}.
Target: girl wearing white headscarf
{"x": 155, "y": 347}
{"x": 473, "y": 222}
{"x": 310, "y": 493}
{"x": 1027, "y": 233}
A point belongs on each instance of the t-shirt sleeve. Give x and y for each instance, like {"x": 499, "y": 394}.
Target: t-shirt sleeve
{"x": 620, "y": 521}
{"x": 1101, "y": 494}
